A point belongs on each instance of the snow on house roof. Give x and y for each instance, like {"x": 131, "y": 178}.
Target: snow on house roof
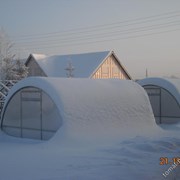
{"x": 170, "y": 84}
{"x": 95, "y": 108}
{"x": 84, "y": 64}
{"x": 38, "y": 56}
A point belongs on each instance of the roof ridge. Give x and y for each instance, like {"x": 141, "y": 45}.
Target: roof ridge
{"x": 38, "y": 56}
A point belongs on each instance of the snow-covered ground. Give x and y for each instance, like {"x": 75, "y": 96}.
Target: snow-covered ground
{"x": 123, "y": 159}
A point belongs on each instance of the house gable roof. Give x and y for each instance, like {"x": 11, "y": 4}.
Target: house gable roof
{"x": 84, "y": 64}
{"x": 35, "y": 57}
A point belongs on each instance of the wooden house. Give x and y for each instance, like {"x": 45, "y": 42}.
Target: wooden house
{"x": 97, "y": 65}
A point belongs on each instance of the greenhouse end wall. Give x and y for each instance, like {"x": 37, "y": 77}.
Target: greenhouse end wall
{"x": 31, "y": 113}
{"x": 165, "y": 107}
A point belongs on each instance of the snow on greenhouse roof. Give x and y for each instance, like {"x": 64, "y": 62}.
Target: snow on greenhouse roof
{"x": 170, "y": 84}
{"x": 84, "y": 64}
{"x": 95, "y": 108}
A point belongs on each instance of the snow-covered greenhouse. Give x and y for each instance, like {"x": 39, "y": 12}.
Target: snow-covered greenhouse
{"x": 39, "y": 107}
{"x": 164, "y": 95}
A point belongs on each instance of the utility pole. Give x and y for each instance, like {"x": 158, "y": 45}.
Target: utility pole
{"x": 146, "y": 73}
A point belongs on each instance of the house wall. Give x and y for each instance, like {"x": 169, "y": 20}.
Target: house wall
{"x": 34, "y": 68}
{"x": 110, "y": 69}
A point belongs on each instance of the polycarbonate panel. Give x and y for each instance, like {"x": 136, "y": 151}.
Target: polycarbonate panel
{"x": 155, "y": 103}
{"x": 12, "y": 131}
{"x": 170, "y": 107}
{"x": 31, "y": 114}
{"x": 154, "y": 97}
{"x": 170, "y": 120}
{"x": 153, "y": 91}
{"x": 12, "y": 116}
{"x": 47, "y": 135}
{"x": 50, "y": 114}
{"x": 158, "y": 120}
{"x": 31, "y": 95}
{"x": 32, "y": 134}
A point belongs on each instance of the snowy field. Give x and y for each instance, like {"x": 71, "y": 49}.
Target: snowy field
{"x": 123, "y": 159}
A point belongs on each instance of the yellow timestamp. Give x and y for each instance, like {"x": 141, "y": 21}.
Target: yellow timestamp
{"x": 169, "y": 161}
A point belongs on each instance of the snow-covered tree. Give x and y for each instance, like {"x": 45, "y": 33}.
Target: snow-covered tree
{"x": 21, "y": 71}
{"x": 6, "y": 63}
{"x": 7, "y": 72}
{"x": 10, "y": 68}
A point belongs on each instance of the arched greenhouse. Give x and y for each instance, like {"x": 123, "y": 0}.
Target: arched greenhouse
{"x": 40, "y": 107}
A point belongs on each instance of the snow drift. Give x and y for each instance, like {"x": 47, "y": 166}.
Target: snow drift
{"x": 95, "y": 109}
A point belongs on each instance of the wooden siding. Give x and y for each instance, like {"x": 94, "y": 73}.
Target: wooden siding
{"x": 110, "y": 69}
{"x": 34, "y": 68}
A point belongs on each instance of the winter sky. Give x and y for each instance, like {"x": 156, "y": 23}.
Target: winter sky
{"x": 143, "y": 34}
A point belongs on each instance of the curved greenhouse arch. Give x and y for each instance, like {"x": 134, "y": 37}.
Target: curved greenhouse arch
{"x": 30, "y": 112}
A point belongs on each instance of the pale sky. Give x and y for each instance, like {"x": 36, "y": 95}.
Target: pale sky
{"x": 143, "y": 33}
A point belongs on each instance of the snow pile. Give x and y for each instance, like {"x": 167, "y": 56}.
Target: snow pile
{"x": 96, "y": 109}
{"x": 104, "y": 109}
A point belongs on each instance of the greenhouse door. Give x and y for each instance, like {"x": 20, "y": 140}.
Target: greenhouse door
{"x": 31, "y": 114}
